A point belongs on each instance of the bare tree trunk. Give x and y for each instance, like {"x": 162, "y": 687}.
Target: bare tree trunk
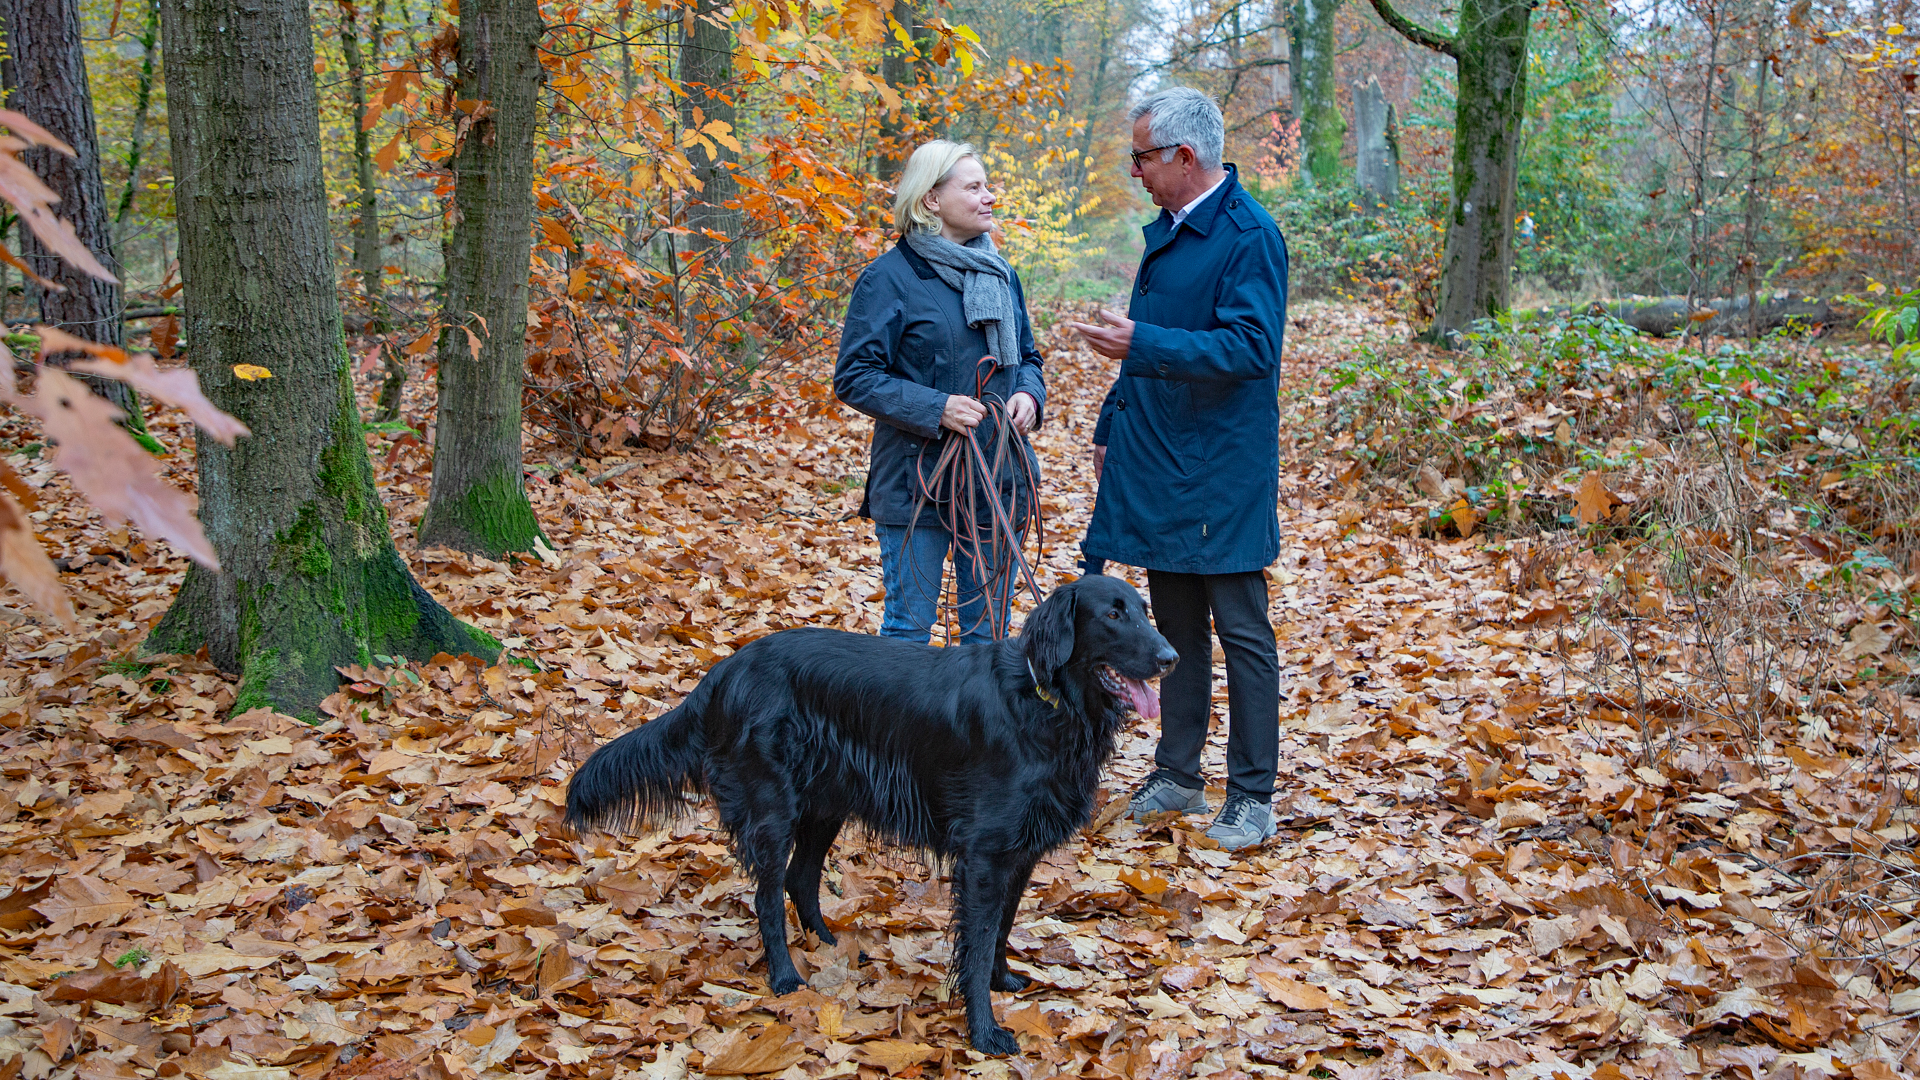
{"x": 706, "y": 70}
{"x": 1310, "y": 69}
{"x": 1096, "y": 101}
{"x": 45, "y": 73}
{"x": 630, "y": 219}
{"x": 1698, "y": 258}
{"x": 310, "y": 577}
{"x": 1753, "y": 200}
{"x": 142, "y": 105}
{"x": 902, "y": 69}
{"x": 366, "y": 225}
{"x": 479, "y": 500}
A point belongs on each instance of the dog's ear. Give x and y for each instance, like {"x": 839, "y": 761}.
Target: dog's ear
{"x": 1047, "y": 638}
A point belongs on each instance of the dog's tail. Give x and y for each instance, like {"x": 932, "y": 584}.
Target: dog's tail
{"x": 640, "y": 776}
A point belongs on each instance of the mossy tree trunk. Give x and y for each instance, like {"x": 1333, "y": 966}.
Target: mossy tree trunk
{"x": 310, "y": 577}
{"x": 479, "y": 499}
{"x": 1491, "y": 53}
{"x": 45, "y": 73}
{"x": 1310, "y": 72}
{"x": 706, "y": 74}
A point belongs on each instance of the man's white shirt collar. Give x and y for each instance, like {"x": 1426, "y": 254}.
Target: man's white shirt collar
{"x": 1189, "y": 208}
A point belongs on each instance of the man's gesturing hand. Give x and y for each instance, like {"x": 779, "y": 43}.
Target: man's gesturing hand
{"x": 1112, "y": 340}
{"x": 962, "y": 413}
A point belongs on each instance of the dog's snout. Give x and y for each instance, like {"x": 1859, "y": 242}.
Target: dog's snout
{"x": 1166, "y": 658}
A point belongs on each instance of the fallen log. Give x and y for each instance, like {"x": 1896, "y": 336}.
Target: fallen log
{"x": 1724, "y": 316}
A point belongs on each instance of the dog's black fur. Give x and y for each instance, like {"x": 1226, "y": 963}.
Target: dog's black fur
{"x": 985, "y": 755}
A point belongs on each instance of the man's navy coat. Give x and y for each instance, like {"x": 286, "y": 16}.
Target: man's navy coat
{"x": 906, "y": 345}
{"x": 1192, "y": 425}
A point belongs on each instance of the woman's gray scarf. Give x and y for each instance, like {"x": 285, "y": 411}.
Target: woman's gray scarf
{"x": 985, "y": 284}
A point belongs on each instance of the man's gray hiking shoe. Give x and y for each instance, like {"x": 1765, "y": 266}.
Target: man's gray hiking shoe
{"x": 1160, "y": 795}
{"x": 1242, "y": 823}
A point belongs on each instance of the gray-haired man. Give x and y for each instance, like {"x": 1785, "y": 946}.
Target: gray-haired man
{"x": 1188, "y": 454}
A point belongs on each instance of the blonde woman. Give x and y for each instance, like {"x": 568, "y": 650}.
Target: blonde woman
{"x": 921, "y": 319}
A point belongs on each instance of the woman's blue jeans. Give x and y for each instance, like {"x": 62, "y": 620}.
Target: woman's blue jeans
{"x": 911, "y": 573}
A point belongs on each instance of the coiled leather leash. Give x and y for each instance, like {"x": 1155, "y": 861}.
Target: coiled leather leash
{"x": 965, "y": 484}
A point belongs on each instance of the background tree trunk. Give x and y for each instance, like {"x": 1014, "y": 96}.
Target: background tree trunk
{"x": 1476, "y": 271}
{"x": 479, "y": 499}
{"x": 1376, "y": 168}
{"x": 366, "y": 225}
{"x": 46, "y": 75}
{"x": 1323, "y": 130}
{"x": 1476, "y": 267}
{"x": 142, "y": 105}
{"x": 706, "y": 67}
{"x": 311, "y": 578}
{"x": 902, "y": 68}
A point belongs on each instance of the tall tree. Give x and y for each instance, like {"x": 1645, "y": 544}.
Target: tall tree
{"x": 902, "y": 66}
{"x": 706, "y": 69}
{"x": 1490, "y": 53}
{"x": 45, "y": 72}
{"x": 142, "y": 105}
{"x": 366, "y": 223}
{"x": 310, "y": 577}
{"x": 479, "y": 498}
{"x": 1311, "y": 75}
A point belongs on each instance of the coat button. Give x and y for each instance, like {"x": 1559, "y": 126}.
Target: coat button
{"x": 1234, "y": 205}
{"x": 1163, "y": 369}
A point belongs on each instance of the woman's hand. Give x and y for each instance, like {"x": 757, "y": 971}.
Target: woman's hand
{"x": 962, "y": 414}
{"x": 1023, "y": 410}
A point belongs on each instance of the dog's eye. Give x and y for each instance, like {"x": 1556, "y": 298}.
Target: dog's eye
{"x": 1114, "y": 613}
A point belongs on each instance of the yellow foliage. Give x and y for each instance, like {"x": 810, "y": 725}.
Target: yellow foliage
{"x": 1039, "y": 204}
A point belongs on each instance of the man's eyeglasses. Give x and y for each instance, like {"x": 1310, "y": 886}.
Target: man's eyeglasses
{"x": 1138, "y": 154}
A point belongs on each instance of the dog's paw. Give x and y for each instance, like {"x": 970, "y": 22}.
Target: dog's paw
{"x": 997, "y": 1041}
{"x": 1010, "y": 982}
{"x": 785, "y": 984}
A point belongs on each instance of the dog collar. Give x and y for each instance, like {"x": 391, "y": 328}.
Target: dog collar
{"x": 1050, "y": 699}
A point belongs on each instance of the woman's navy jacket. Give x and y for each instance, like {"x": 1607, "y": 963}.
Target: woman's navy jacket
{"x": 906, "y": 345}
{"x": 1192, "y": 425}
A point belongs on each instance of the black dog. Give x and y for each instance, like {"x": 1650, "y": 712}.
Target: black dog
{"x": 985, "y": 755}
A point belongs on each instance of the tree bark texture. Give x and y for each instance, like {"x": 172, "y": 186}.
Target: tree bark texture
{"x": 479, "y": 499}
{"x": 1490, "y": 51}
{"x": 46, "y": 74}
{"x": 310, "y": 577}
{"x": 1476, "y": 270}
{"x": 1310, "y": 70}
{"x": 1376, "y": 145}
{"x": 706, "y": 69}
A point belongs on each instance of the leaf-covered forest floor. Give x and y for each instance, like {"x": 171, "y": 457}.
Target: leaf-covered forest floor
{"x": 1484, "y": 868}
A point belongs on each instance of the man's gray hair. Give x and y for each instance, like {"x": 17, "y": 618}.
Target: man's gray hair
{"x": 1183, "y": 116}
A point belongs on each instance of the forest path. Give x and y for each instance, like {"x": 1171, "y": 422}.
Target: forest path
{"x": 392, "y": 893}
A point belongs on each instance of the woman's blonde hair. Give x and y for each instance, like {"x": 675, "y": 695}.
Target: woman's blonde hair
{"x": 926, "y": 169}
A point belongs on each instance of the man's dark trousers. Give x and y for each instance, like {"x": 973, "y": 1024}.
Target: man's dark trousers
{"x": 1237, "y": 604}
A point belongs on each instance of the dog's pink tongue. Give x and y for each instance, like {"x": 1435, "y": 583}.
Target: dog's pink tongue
{"x": 1145, "y": 697}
